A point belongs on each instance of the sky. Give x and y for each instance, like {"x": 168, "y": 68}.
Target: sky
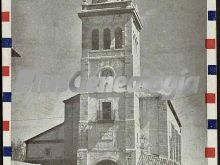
{"x": 47, "y": 35}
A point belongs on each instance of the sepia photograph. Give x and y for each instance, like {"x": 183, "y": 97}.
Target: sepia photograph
{"x": 109, "y": 82}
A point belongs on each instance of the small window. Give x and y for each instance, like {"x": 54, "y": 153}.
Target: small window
{"x": 173, "y": 143}
{"x": 106, "y": 111}
{"x": 107, "y": 38}
{"x": 118, "y": 38}
{"x": 107, "y": 73}
{"x": 47, "y": 151}
{"x": 95, "y": 39}
{"x": 171, "y": 149}
{"x": 179, "y": 143}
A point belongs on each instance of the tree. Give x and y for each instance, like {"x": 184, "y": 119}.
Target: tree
{"x": 18, "y": 150}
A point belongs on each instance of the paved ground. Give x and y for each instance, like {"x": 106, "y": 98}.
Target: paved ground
{"x": 21, "y": 163}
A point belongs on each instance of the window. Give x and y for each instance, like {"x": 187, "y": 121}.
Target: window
{"x": 176, "y": 146}
{"x": 118, "y": 38}
{"x": 106, "y": 111}
{"x": 95, "y": 39}
{"x": 179, "y": 137}
{"x": 172, "y": 143}
{"x": 135, "y": 39}
{"x": 171, "y": 149}
{"x": 107, "y": 38}
{"x": 107, "y": 72}
{"x": 47, "y": 151}
{"x": 106, "y": 76}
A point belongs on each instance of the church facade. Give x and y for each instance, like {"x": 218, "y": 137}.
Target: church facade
{"x": 110, "y": 128}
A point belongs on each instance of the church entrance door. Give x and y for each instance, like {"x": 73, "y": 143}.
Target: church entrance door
{"x": 106, "y": 162}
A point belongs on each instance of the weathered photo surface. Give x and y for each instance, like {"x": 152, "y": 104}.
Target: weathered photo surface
{"x": 109, "y": 82}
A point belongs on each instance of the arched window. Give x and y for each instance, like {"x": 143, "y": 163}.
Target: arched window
{"x": 95, "y": 39}
{"x": 107, "y": 38}
{"x": 118, "y": 38}
{"x": 107, "y": 72}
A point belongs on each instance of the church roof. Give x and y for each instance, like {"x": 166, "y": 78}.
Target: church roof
{"x": 169, "y": 103}
{"x": 73, "y": 99}
{"x": 155, "y": 160}
{"x": 49, "y": 130}
{"x": 174, "y": 113}
{"x": 15, "y": 53}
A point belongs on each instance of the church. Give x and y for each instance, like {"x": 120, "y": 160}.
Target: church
{"x": 110, "y": 128}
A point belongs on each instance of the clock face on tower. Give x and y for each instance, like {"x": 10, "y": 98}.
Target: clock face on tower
{"x": 106, "y": 73}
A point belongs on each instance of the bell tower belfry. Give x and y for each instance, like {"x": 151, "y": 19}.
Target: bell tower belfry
{"x": 109, "y": 128}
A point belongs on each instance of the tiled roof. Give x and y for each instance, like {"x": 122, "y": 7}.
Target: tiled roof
{"x": 155, "y": 160}
{"x": 15, "y": 53}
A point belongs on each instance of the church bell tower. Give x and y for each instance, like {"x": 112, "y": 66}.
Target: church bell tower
{"x": 109, "y": 128}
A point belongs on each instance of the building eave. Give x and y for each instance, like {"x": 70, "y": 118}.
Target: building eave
{"x": 26, "y": 141}
{"x": 174, "y": 113}
{"x": 73, "y": 99}
{"x": 14, "y": 53}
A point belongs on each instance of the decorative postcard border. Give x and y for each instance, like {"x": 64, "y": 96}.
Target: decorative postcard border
{"x": 6, "y": 80}
{"x": 210, "y": 96}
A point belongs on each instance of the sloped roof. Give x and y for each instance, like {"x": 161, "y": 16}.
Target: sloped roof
{"x": 49, "y": 130}
{"x": 155, "y": 160}
{"x": 169, "y": 103}
{"x": 73, "y": 99}
{"x": 174, "y": 113}
{"x": 15, "y": 53}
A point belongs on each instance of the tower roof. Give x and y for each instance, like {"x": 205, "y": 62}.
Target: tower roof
{"x": 110, "y": 7}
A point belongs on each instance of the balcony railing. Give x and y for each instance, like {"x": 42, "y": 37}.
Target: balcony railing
{"x": 105, "y": 117}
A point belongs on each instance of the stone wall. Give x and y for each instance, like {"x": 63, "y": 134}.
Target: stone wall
{"x": 149, "y": 119}
{"x": 156, "y": 120}
{"x": 163, "y": 128}
{"x": 101, "y": 139}
{"x": 71, "y": 129}
{"x": 37, "y": 150}
{"x": 47, "y": 146}
{"x": 174, "y": 137}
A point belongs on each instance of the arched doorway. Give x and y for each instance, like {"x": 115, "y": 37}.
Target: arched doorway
{"x": 106, "y": 162}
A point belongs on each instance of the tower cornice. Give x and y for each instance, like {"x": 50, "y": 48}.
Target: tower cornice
{"x": 111, "y": 8}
